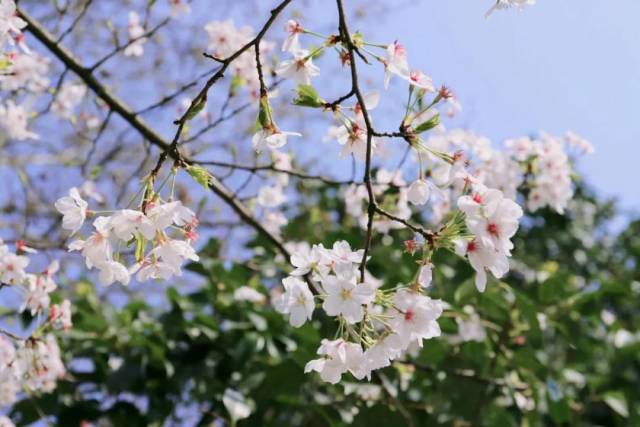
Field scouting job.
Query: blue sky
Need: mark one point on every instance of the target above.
(556, 66)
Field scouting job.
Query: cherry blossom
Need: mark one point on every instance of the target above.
(292, 42)
(271, 196)
(414, 317)
(127, 222)
(12, 267)
(297, 301)
(307, 260)
(419, 79)
(69, 96)
(89, 189)
(419, 192)
(245, 293)
(273, 139)
(338, 357)
(32, 363)
(74, 210)
(175, 252)
(97, 249)
(387, 348)
(395, 62)
(38, 288)
(10, 22)
(353, 137)
(60, 315)
(345, 297)
(26, 72)
(236, 405)
(113, 271)
(179, 7)
(154, 270)
(136, 39)
(301, 68)
(14, 121)
(341, 253)
(425, 275)
(470, 328)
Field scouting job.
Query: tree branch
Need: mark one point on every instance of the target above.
(123, 110)
(355, 88)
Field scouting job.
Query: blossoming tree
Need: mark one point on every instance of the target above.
(384, 252)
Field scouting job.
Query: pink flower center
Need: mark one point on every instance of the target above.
(409, 315)
(300, 64)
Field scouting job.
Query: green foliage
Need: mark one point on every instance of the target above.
(549, 358)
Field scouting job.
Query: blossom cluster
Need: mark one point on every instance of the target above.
(24, 75)
(21, 71)
(34, 363)
(161, 232)
(472, 189)
(376, 326)
(225, 39)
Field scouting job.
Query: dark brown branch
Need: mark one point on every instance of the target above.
(272, 168)
(201, 97)
(355, 88)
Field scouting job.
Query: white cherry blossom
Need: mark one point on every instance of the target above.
(300, 69)
(136, 39)
(273, 139)
(296, 300)
(338, 357)
(419, 192)
(271, 196)
(415, 317)
(246, 293)
(395, 62)
(74, 210)
(127, 222)
(345, 297)
(14, 121)
(113, 271)
(292, 42)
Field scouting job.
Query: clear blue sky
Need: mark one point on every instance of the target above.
(559, 65)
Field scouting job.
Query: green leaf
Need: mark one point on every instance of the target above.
(197, 106)
(307, 96)
(264, 115)
(199, 175)
(428, 125)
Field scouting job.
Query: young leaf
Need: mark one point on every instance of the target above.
(308, 97)
(264, 115)
(429, 124)
(197, 107)
(199, 175)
